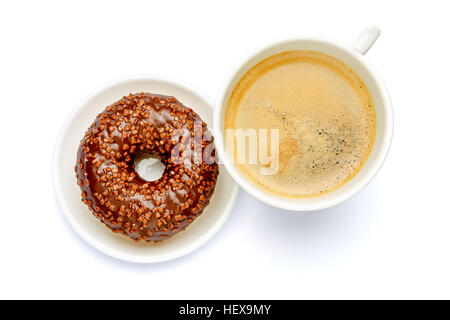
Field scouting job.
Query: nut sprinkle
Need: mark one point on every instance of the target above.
(118, 196)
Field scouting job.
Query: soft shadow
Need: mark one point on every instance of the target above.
(278, 237)
(312, 237)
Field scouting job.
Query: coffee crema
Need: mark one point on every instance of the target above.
(324, 116)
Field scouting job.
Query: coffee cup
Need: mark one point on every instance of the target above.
(351, 55)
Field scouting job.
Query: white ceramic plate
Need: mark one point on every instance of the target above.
(90, 228)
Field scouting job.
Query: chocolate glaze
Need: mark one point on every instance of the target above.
(117, 195)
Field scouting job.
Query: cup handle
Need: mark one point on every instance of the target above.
(366, 39)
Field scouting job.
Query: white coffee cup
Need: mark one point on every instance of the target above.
(353, 56)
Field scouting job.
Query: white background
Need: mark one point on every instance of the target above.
(390, 241)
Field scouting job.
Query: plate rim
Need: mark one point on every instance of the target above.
(85, 235)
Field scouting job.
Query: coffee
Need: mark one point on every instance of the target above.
(321, 114)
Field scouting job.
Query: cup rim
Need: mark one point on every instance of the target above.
(318, 202)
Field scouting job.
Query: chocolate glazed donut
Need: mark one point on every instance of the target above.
(118, 196)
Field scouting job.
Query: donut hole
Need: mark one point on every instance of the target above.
(148, 166)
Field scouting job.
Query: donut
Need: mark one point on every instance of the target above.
(125, 202)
